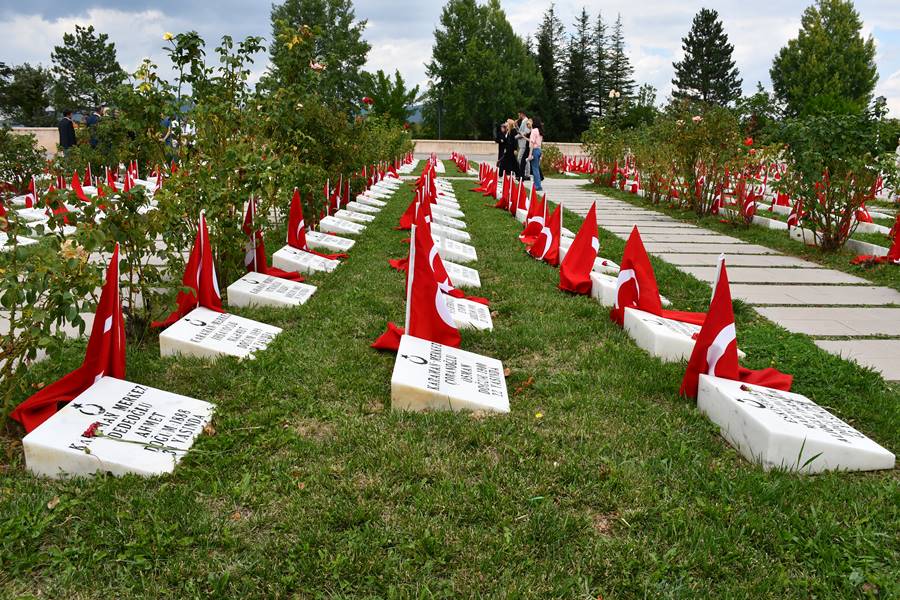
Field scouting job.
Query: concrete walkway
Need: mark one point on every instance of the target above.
(799, 295)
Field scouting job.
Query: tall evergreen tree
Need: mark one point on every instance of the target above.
(707, 72)
(600, 69)
(829, 66)
(85, 68)
(621, 73)
(550, 39)
(24, 98)
(576, 84)
(481, 72)
(339, 46)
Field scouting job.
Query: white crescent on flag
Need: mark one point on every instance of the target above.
(717, 349)
(549, 235)
(624, 276)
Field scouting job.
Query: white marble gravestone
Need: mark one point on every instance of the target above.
(449, 232)
(447, 221)
(32, 214)
(349, 215)
(288, 258)
(601, 265)
(603, 289)
(334, 225)
(438, 209)
(783, 430)
(208, 334)
(144, 431)
(468, 314)
(329, 244)
(453, 250)
(667, 339)
(370, 201)
(461, 275)
(359, 207)
(6, 245)
(256, 289)
(428, 375)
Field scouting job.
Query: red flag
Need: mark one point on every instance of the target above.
(105, 356)
(576, 267)
(715, 351)
(76, 187)
(200, 277)
(255, 259)
(534, 222)
(546, 247)
(111, 181)
(296, 234)
(31, 198)
(793, 219)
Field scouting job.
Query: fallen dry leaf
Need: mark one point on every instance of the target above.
(527, 384)
(53, 503)
(236, 516)
(506, 372)
(208, 429)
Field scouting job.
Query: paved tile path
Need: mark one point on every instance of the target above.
(799, 295)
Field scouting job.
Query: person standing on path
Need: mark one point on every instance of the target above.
(66, 131)
(536, 141)
(92, 120)
(523, 131)
(508, 161)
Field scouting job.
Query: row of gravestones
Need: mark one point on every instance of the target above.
(120, 427)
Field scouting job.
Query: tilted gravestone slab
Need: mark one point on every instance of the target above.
(349, 215)
(468, 314)
(289, 258)
(784, 430)
(143, 430)
(370, 201)
(428, 375)
(453, 250)
(603, 289)
(362, 208)
(437, 209)
(334, 225)
(256, 289)
(667, 339)
(601, 265)
(449, 232)
(330, 244)
(447, 221)
(461, 275)
(208, 334)
(6, 243)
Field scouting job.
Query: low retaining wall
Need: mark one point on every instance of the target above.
(483, 148)
(47, 137)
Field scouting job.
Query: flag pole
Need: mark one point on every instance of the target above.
(409, 272)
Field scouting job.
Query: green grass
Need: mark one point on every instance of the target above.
(313, 487)
(886, 275)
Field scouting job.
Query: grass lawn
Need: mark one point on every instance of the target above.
(312, 487)
(886, 275)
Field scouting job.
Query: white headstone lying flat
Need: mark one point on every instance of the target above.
(447, 221)
(43, 228)
(370, 201)
(460, 275)
(521, 214)
(437, 209)
(362, 208)
(453, 250)
(143, 430)
(32, 214)
(6, 243)
(666, 339)
(288, 258)
(349, 215)
(256, 289)
(379, 194)
(330, 244)
(445, 202)
(601, 265)
(468, 314)
(207, 334)
(567, 233)
(603, 289)
(334, 225)
(428, 375)
(783, 430)
(449, 232)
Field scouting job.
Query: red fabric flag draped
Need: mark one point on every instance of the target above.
(534, 222)
(715, 351)
(200, 277)
(255, 259)
(575, 269)
(105, 356)
(76, 187)
(546, 246)
(296, 233)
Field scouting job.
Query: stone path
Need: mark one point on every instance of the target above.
(799, 295)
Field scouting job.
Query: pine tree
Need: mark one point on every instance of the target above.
(829, 66)
(621, 73)
(600, 69)
(576, 84)
(707, 71)
(86, 69)
(550, 39)
(339, 45)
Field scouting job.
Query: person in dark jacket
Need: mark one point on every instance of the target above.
(508, 162)
(498, 139)
(66, 131)
(92, 120)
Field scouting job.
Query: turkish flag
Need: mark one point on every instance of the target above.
(88, 176)
(534, 222)
(575, 269)
(715, 351)
(636, 286)
(111, 181)
(105, 356)
(546, 246)
(296, 233)
(199, 277)
(76, 187)
(255, 259)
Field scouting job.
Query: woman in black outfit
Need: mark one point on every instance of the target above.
(508, 146)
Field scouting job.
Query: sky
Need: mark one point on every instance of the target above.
(401, 32)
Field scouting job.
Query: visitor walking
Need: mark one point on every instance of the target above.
(536, 141)
(92, 120)
(66, 131)
(524, 130)
(508, 146)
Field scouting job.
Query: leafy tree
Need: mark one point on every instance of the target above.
(337, 44)
(829, 67)
(600, 68)
(85, 68)
(390, 98)
(707, 71)
(480, 71)
(759, 115)
(25, 96)
(621, 73)
(576, 84)
(550, 39)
